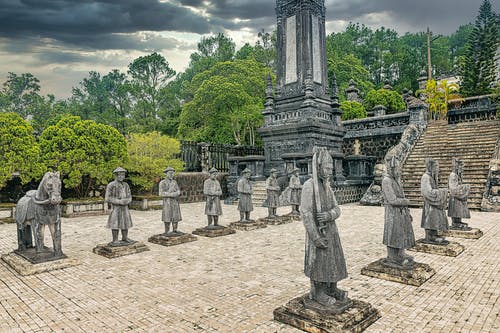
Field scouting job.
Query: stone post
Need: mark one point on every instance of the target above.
(379, 110)
(352, 92)
(204, 156)
(418, 112)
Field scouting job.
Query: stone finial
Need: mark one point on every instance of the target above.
(269, 92)
(335, 88)
(422, 80)
(405, 94)
(379, 110)
(352, 92)
(387, 85)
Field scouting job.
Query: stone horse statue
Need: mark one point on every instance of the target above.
(37, 209)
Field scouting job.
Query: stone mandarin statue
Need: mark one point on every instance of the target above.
(213, 191)
(295, 191)
(245, 205)
(119, 196)
(457, 205)
(273, 192)
(398, 231)
(170, 192)
(435, 199)
(324, 260)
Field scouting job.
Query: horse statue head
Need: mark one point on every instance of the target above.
(49, 189)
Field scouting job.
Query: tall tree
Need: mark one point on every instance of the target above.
(478, 69)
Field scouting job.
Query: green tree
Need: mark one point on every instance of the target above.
(149, 76)
(84, 151)
(391, 99)
(150, 154)
(20, 94)
(438, 94)
(352, 110)
(19, 151)
(478, 69)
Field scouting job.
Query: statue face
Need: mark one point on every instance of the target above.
(246, 175)
(213, 175)
(274, 174)
(326, 169)
(120, 176)
(170, 175)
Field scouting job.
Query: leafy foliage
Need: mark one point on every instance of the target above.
(19, 151)
(150, 154)
(391, 99)
(438, 94)
(352, 110)
(84, 151)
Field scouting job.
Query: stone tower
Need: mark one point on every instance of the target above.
(300, 113)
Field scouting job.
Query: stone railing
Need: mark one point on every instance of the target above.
(373, 126)
(476, 108)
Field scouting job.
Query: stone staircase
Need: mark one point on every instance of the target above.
(473, 142)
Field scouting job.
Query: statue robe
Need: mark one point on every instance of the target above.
(273, 192)
(322, 265)
(435, 199)
(295, 189)
(457, 205)
(213, 191)
(119, 196)
(245, 194)
(398, 231)
(169, 190)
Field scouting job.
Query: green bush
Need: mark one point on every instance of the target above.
(352, 110)
(391, 99)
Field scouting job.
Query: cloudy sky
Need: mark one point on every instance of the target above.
(60, 41)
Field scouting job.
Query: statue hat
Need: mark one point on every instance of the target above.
(119, 169)
(169, 169)
(295, 169)
(273, 170)
(213, 170)
(247, 170)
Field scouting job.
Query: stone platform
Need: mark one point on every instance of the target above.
(474, 233)
(213, 231)
(247, 226)
(172, 239)
(356, 318)
(415, 276)
(110, 252)
(275, 221)
(25, 267)
(452, 249)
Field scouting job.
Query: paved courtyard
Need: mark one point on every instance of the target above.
(233, 283)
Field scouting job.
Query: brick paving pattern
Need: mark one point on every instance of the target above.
(233, 283)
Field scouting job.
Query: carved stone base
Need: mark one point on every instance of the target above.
(172, 239)
(276, 220)
(415, 276)
(356, 318)
(474, 233)
(246, 226)
(214, 231)
(47, 254)
(108, 251)
(293, 216)
(24, 267)
(452, 249)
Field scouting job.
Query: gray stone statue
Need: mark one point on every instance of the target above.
(324, 260)
(34, 211)
(457, 205)
(170, 192)
(119, 196)
(213, 191)
(435, 199)
(295, 191)
(398, 231)
(273, 193)
(245, 205)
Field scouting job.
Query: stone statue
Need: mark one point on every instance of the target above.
(457, 205)
(171, 214)
(435, 199)
(37, 209)
(295, 191)
(398, 231)
(245, 205)
(273, 193)
(324, 260)
(119, 196)
(213, 191)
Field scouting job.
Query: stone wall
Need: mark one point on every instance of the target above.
(372, 146)
(349, 193)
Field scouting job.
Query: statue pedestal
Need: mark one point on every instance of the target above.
(110, 252)
(172, 239)
(275, 221)
(415, 276)
(474, 233)
(25, 267)
(214, 231)
(355, 318)
(452, 249)
(247, 226)
(293, 217)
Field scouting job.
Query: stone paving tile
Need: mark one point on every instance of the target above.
(233, 283)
